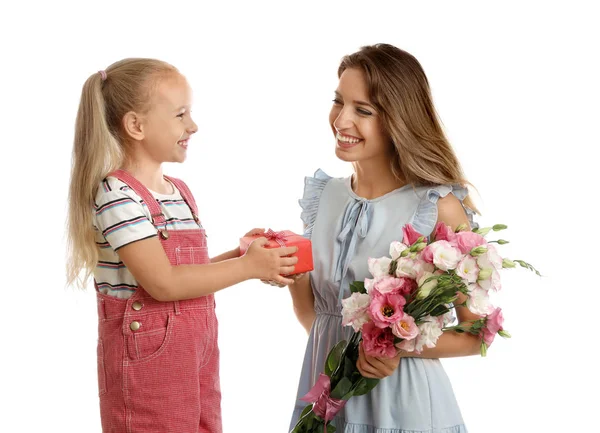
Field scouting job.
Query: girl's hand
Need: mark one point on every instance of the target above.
(270, 263)
(295, 278)
(376, 368)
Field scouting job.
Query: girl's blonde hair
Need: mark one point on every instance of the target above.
(400, 91)
(99, 148)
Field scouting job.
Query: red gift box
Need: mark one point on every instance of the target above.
(285, 238)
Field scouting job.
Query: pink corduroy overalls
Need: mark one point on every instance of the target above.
(158, 362)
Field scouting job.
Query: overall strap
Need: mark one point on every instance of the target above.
(157, 217)
(187, 196)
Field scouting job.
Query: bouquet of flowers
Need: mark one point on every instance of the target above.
(407, 305)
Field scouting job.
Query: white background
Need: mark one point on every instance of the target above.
(515, 83)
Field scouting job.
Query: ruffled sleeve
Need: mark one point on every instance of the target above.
(313, 188)
(426, 214)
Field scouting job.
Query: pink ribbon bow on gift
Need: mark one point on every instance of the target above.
(279, 237)
(324, 406)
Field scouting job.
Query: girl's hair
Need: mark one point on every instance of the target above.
(399, 90)
(99, 147)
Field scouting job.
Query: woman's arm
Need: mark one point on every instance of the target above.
(303, 300)
(451, 343)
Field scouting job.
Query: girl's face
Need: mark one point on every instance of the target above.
(168, 125)
(355, 121)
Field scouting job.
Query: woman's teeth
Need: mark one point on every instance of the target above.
(345, 139)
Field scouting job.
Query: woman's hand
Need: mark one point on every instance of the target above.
(295, 278)
(376, 368)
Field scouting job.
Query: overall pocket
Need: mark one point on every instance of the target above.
(152, 337)
(191, 255)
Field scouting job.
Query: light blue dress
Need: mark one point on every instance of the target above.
(345, 231)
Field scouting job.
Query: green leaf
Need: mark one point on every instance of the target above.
(483, 349)
(333, 359)
(357, 287)
(498, 227)
(306, 410)
(349, 366)
(364, 386)
(342, 388)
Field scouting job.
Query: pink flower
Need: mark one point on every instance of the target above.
(427, 253)
(378, 342)
(466, 241)
(493, 324)
(409, 235)
(405, 328)
(386, 308)
(443, 232)
(401, 286)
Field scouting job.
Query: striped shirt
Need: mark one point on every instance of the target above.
(120, 218)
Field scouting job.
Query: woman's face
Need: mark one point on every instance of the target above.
(355, 122)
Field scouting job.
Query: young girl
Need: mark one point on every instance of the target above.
(405, 171)
(138, 232)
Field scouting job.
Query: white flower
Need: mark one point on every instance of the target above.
(406, 268)
(422, 267)
(396, 249)
(492, 282)
(379, 267)
(354, 310)
(491, 259)
(445, 256)
(467, 269)
(479, 301)
(430, 331)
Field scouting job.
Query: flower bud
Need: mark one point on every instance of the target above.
(478, 251)
(508, 263)
(482, 231)
(461, 228)
(421, 246)
(502, 242)
(504, 333)
(484, 274)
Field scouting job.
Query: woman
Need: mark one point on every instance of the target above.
(405, 171)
